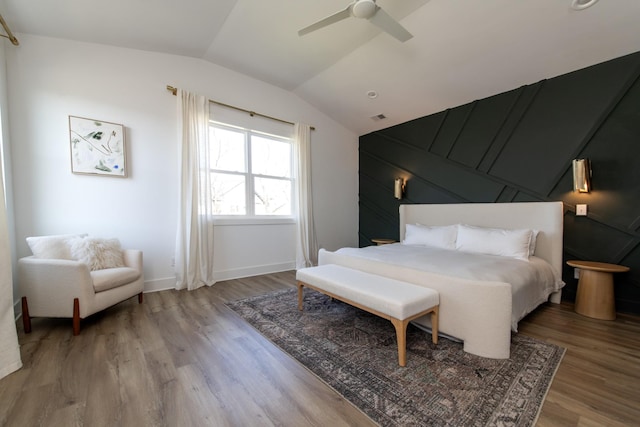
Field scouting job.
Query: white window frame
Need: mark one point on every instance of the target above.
(250, 216)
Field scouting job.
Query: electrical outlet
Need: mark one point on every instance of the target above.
(576, 273)
(581, 210)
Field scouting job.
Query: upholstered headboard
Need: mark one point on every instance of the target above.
(546, 217)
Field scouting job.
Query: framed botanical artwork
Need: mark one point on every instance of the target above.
(97, 147)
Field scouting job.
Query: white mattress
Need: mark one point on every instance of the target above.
(531, 282)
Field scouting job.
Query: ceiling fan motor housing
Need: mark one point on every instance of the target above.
(364, 9)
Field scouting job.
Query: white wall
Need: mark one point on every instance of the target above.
(50, 79)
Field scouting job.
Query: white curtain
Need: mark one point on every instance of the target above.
(194, 245)
(9, 348)
(306, 243)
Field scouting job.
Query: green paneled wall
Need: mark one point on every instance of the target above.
(518, 146)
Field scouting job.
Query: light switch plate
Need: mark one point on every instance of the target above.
(581, 210)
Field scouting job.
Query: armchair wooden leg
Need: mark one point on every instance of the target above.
(26, 320)
(76, 316)
(140, 298)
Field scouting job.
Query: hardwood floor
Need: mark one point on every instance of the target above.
(184, 359)
(598, 381)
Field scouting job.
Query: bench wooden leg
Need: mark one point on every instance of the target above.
(401, 336)
(300, 295)
(26, 319)
(434, 325)
(401, 333)
(76, 316)
(140, 297)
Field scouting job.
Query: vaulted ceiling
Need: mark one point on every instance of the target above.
(462, 50)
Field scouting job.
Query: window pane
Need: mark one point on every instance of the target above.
(270, 157)
(227, 150)
(272, 196)
(228, 194)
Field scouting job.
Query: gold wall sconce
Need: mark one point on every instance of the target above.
(581, 175)
(398, 188)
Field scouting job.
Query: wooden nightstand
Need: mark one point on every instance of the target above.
(595, 297)
(382, 241)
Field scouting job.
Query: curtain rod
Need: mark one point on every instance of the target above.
(9, 35)
(174, 91)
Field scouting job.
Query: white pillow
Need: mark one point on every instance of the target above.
(51, 247)
(443, 237)
(97, 253)
(494, 241)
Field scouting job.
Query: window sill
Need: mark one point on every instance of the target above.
(254, 220)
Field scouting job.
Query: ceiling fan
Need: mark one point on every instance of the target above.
(365, 9)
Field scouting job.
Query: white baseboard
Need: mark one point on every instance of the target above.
(157, 285)
(239, 273)
(164, 284)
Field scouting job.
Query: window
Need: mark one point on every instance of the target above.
(251, 172)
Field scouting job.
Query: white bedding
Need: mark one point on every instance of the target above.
(477, 311)
(531, 282)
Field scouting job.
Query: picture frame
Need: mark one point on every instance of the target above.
(97, 147)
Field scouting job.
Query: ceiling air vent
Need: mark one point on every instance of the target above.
(378, 117)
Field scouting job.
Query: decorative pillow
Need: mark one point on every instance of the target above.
(534, 239)
(97, 253)
(494, 241)
(443, 237)
(52, 247)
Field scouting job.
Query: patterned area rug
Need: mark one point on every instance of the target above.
(356, 354)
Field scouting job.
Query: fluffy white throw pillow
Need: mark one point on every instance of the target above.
(52, 247)
(97, 253)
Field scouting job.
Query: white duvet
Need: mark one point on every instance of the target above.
(531, 282)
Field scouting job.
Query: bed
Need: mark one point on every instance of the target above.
(476, 306)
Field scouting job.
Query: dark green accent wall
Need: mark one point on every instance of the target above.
(518, 146)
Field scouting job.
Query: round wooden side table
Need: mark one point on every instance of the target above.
(595, 297)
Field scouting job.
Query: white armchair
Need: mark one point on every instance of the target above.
(76, 288)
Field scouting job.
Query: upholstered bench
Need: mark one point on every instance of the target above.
(397, 301)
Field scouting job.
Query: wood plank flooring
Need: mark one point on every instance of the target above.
(184, 359)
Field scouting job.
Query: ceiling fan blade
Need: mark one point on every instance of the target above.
(385, 22)
(332, 19)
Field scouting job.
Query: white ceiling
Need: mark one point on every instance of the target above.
(462, 50)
